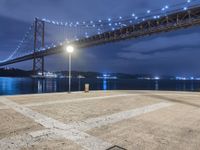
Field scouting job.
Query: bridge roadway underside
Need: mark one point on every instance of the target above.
(99, 120)
(174, 21)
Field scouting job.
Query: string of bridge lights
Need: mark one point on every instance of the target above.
(20, 44)
(115, 23)
(120, 21)
(112, 23)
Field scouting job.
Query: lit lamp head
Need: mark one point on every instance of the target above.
(70, 49)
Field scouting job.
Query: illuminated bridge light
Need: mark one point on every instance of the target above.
(185, 8)
(188, 1)
(133, 15)
(157, 78)
(148, 11)
(109, 19)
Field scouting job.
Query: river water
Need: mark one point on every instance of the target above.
(13, 86)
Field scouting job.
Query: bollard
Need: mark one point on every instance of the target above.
(87, 88)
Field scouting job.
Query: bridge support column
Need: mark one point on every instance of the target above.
(38, 66)
(38, 61)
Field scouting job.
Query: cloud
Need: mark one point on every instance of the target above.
(160, 46)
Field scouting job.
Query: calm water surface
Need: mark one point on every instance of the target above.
(13, 86)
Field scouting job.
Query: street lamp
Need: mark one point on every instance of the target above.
(70, 50)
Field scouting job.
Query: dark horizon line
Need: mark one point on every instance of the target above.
(98, 73)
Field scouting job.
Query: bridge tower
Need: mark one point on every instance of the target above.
(39, 32)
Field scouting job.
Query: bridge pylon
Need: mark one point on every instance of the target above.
(39, 35)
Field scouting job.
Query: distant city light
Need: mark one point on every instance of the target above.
(148, 11)
(156, 78)
(107, 76)
(191, 78)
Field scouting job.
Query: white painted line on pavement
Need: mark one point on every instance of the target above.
(85, 140)
(70, 101)
(109, 119)
(76, 100)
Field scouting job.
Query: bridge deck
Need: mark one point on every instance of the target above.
(99, 120)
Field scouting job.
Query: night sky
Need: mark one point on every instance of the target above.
(173, 53)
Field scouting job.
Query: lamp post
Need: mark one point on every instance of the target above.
(70, 50)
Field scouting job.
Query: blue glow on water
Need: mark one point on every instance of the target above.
(104, 84)
(13, 86)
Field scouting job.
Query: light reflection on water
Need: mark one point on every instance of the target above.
(104, 84)
(10, 86)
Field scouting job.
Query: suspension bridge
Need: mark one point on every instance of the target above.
(46, 37)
